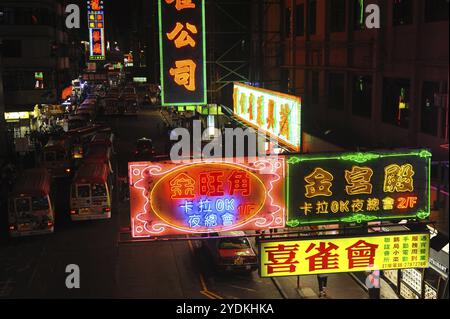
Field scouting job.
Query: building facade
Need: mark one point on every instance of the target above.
(379, 87)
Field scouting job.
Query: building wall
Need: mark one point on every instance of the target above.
(407, 49)
(35, 40)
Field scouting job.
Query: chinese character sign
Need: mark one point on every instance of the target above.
(96, 25)
(358, 187)
(277, 114)
(182, 52)
(203, 197)
(337, 255)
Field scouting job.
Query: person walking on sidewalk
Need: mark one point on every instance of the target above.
(323, 281)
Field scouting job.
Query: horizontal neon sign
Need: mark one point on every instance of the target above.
(338, 255)
(205, 197)
(277, 114)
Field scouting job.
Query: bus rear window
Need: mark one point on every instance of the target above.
(98, 190)
(83, 191)
(50, 156)
(40, 203)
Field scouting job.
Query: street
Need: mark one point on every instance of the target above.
(35, 266)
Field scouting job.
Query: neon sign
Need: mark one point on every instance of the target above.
(96, 25)
(205, 197)
(358, 187)
(182, 52)
(338, 255)
(275, 113)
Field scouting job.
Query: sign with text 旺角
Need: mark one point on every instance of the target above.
(274, 113)
(182, 52)
(330, 255)
(204, 197)
(358, 187)
(96, 26)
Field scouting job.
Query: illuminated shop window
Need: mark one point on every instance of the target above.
(402, 12)
(396, 102)
(362, 96)
(39, 80)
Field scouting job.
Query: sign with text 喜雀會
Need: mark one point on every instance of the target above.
(274, 113)
(182, 52)
(358, 187)
(167, 198)
(337, 255)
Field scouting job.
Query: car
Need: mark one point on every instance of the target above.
(144, 150)
(232, 251)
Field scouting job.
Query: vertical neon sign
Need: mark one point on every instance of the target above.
(96, 25)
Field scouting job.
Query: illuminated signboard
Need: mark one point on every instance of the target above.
(276, 114)
(96, 25)
(358, 187)
(337, 255)
(182, 52)
(205, 197)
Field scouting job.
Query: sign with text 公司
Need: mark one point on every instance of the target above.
(96, 26)
(358, 187)
(337, 255)
(205, 197)
(182, 52)
(274, 113)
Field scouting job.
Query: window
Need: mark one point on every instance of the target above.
(337, 15)
(98, 190)
(50, 156)
(429, 111)
(40, 203)
(7, 16)
(436, 10)
(300, 20)
(362, 96)
(23, 205)
(84, 191)
(287, 22)
(358, 15)
(234, 243)
(12, 48)
(403, 12)
(315, 88)
(312, 11)
(396, 102)
(336, 91)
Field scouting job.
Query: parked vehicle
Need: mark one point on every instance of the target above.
(30, 206)
(232, 251)
(57, 157)
(90, 194)
(144, 150)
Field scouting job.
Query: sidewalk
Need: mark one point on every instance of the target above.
(340, 286)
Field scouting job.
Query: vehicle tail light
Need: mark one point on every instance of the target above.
(68, 170)
(12, 227)
(73, 212)
(50, 224)
(106, 210)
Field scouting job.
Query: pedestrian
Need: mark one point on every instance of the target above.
(323, 281)
(373, 284)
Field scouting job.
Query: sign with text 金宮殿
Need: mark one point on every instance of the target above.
(358, 187)
(182, 52)
(274, 113)
(96, 25)
(337, 255)
(204, 197)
